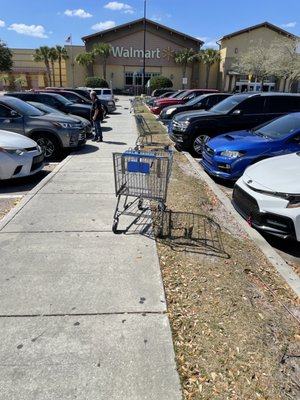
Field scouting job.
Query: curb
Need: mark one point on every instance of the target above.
(287, 273)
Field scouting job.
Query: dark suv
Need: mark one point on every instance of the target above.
(56, 101)
(189, 131)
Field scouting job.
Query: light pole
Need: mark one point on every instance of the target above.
(144, 52)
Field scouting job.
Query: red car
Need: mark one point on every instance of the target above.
(185, 96)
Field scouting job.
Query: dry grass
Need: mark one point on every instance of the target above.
(229, 309)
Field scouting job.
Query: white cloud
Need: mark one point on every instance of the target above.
(2, 24)
(116, 6)
(155, 19)
(29, 30)
(77, 13)
(289, 25)
(211, 45)
(102, 26)
(203, 38)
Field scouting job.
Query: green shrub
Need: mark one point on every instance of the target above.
(158, 82)
(95, 81)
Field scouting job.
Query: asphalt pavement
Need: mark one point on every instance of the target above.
(83, 313)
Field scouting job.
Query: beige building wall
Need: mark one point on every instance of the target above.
(28, 74)
(232, 47)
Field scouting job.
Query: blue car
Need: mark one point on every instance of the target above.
(228, 155)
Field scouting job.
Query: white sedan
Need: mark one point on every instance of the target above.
(268, 196)
(19, 156)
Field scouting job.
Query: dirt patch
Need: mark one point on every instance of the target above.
(235, 322)
(6, 205)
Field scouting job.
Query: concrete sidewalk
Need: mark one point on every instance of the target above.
(83, 311)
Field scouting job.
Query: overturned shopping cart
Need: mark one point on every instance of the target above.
(141, 176)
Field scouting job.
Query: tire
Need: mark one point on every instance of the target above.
(49, 145)
(197, 143)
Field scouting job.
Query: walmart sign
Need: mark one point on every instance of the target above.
(134, 53)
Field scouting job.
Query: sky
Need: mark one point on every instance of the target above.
(35, 23)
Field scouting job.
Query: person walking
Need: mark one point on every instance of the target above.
(96, 116)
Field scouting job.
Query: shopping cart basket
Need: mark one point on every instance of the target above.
(140, 175)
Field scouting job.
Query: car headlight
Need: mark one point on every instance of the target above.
(170, 110)
(111, 103)
(294, 201)
(232, 154)
(65, 124)
(182, 126)
(10, 150)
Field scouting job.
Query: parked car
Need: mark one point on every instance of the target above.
(202, 102)
(52, 132)
(184, 97)
(54, 100)
(82, 96)
(82, 92)
(151, 100)
(159, 92)
(102, 93)
(19, 156)
(87, 126)
(227, 156)
(268, 196)
(190, 130)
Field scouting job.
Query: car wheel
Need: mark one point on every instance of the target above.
(197, 144)
(49, 145)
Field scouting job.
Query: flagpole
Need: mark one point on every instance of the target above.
(72, 62)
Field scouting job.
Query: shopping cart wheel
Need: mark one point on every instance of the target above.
(140, 204)
(115, 226)
(159, 233)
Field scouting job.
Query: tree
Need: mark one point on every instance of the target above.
(209, 57)
(6, 61)
(284, 60)
(20, 81)
(158, 82)
(53, 56)
(61, 55)
(103, 50)
(95, 81)
(85, 59)
(254, 63)
(42, 54)
(184, 57)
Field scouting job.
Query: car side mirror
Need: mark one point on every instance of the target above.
(14, 114)
(236, 113)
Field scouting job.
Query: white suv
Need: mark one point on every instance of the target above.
(102, 93)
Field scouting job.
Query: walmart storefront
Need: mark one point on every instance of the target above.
(124, 67)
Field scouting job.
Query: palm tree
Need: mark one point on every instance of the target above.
(61, 55)
(53, 56)
(208, 57)
(184, 57)
(103, 50)
(42, 54)
(85, 59)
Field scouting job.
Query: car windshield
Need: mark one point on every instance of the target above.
(228, 104)
(24, 108)
(195, 100)
(62, 99)
(44, 107)
(280, 127)
(182, 94)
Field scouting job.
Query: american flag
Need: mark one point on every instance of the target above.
(68, 39)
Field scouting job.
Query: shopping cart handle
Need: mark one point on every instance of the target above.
(139, 155)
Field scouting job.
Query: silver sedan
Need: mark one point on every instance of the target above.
(19, 156)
